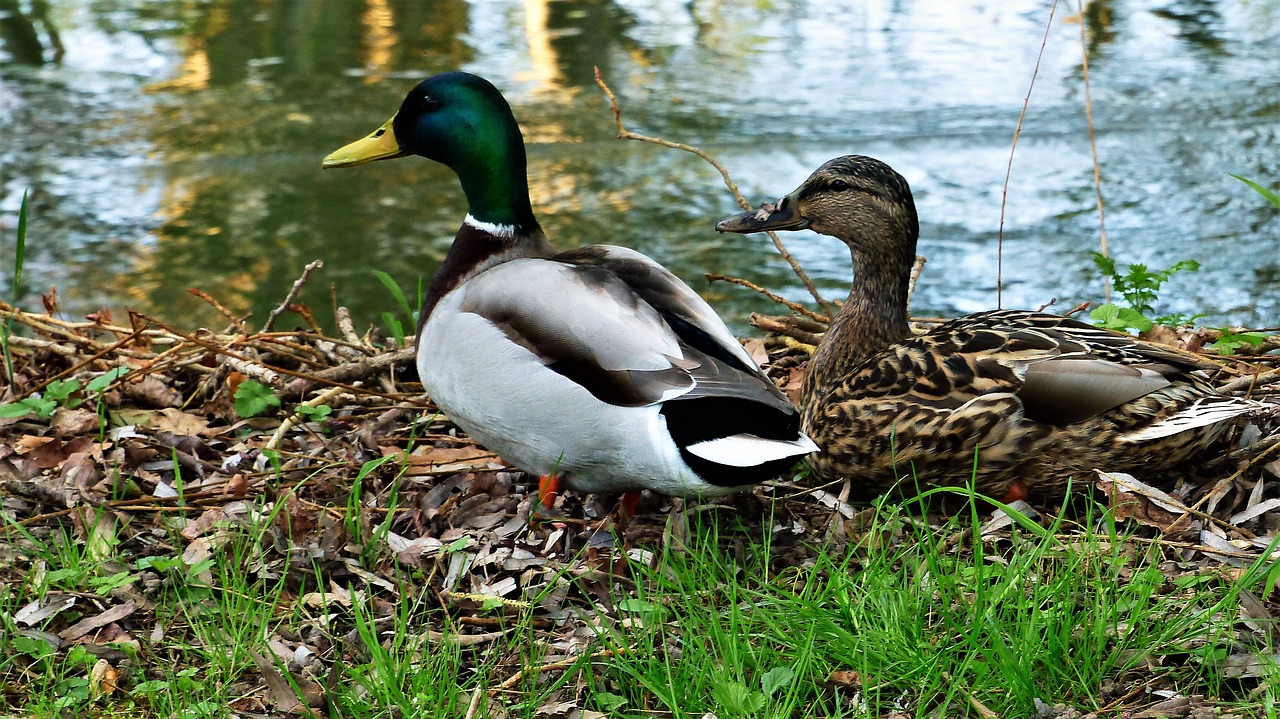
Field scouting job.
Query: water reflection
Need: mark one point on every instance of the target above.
(176, 144)
(21, 33)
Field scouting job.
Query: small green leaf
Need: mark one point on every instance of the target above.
(1177, 319)
(100, 383)
(253, 398)
(159, 563)
(1135, 319)
(71, 692)
(609, 703)
(394, 327)
(34, 648)
(736, 698)
(43, 408)
(1123, 319)
(1229, 342)
(105, 585)
(61, 391)
(319, 413)
(457, 545)
(154, 686)
(13, 410)
(647, 610)
(1106, 265)
(775, 679)
(491, 603)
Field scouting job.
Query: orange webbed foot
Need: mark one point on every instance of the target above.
(1018, 489)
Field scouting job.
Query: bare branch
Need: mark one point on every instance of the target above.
(626, 134)
(293, 294)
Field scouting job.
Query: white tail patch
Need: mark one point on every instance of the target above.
(748, 450)
(1201, 414)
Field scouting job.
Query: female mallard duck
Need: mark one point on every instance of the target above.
(596, 366)
(1014, 401)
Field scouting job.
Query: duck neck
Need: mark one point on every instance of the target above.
(478, 246)
(497, 188)
(874, 316)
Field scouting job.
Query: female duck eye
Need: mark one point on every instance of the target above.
(840, 185)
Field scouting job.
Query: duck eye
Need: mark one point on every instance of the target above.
(840, 185)
(428, 104)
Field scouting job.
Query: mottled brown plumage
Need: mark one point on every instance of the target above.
(1013, 400)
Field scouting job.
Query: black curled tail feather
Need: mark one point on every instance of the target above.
(700, 419)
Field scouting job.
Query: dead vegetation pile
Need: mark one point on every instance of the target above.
(356, 478)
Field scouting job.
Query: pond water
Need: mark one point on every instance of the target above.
(176, 144)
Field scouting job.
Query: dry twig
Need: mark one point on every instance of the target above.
(626, 134)
(1013, 146)
(293, 293)
(793, 306)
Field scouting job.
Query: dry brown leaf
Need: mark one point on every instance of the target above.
(28, 442)
(53, 454)
(755, 348)
(41, 609)
(102, 678)
(282, 694)
(203, 523)
(88, 624)
(237, 486)
(80, 471)
(795, 379)
(431, 460)
(72, 422)
(151, 391)
(1127, 504)
(844, 679)
(556, 709)
(183, 424)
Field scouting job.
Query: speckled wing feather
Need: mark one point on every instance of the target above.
(996, 388)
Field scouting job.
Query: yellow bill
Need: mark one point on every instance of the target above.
(380, 144)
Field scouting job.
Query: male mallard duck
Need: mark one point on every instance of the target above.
(1030, 398)
(594, 366)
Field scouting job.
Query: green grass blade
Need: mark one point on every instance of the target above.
(1269, 195)
(394, 289)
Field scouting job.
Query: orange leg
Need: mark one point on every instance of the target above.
(548, 488)
(1017, 490)
(627, 506)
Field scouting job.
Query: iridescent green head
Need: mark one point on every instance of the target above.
(462, 121)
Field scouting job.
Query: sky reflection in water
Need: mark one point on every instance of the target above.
(170, 145)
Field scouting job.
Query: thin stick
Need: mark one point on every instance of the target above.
(227, 352)
(793, 306)
(474, 705)
(1008, 170)
(236, 321)
(293, 293)
(626, 134)
(278, 436)
(80, 365)
(916, 269)
(768, 324)
(514, 679)
(1093, 146)
(1248, 382)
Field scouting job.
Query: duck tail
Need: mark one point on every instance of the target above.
(1205, 412)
